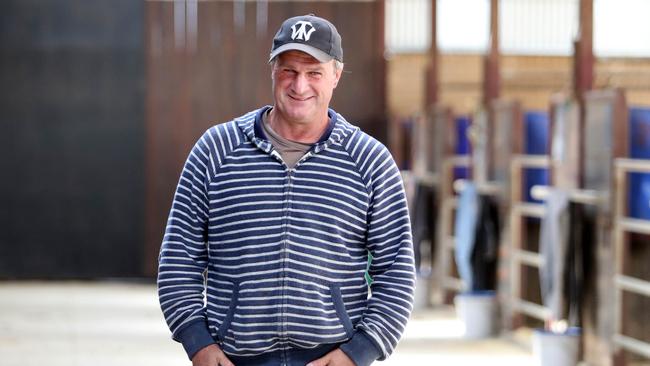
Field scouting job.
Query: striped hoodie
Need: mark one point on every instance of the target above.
(259, 257)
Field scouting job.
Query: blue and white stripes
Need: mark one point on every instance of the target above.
(283, 250)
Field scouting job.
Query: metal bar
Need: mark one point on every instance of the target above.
(450, 242)
(517, 210)
(634, 225)
(458, 160)
(532, 309)
(527, 257)
(515, 235)
(531, 161)
(452, 283)
(618, 241)
(529, 209)
(586, 196)
(633, 345)
(633, 165)
(632, 284)
(453, 202)
(427, 179)
(450, 203)
(492, 188)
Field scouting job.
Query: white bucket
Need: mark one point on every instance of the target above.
(556, 349)
(478, 312)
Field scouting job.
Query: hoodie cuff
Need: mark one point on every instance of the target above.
(194, 338)
(361, 349)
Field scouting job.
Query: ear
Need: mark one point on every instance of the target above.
(337, 76)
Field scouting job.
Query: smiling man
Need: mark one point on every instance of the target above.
(274, 217)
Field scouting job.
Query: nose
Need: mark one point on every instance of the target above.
(300, 84)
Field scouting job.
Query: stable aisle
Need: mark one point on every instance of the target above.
(114, 324)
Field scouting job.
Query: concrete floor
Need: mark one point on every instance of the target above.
(102, 324)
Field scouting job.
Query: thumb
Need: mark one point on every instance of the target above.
(323, 361)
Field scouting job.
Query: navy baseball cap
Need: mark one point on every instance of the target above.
(310, 34)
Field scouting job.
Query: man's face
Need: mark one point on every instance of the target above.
(303, 87)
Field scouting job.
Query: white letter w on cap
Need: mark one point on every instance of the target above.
(303, 32)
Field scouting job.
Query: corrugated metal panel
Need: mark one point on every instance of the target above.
(621, 28)
(408, 26)
(538, 27)
(71, 104)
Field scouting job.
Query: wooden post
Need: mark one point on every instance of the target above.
(584, 58)
(583, 67)
(606, 110)
(491, 82)
(432, 70)
(380, 49)
(491, 86)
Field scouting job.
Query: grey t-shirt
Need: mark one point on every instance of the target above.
(290, 151)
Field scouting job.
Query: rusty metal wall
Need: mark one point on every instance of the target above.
(207, 63)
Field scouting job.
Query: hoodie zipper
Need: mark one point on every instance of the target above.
(284, 255)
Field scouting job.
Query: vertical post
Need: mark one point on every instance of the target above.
(446, 191)
(620, 146)
(583, 69)
(379, 59)
(516, 319)
(380, 47)
(432, 70)
(619, 261)
(491, 86)
(491, 68)
(584, 58)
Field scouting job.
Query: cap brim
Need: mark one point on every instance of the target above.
(312, 51)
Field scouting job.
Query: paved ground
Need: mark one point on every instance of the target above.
(102, 324)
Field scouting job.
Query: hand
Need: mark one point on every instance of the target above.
(334, 358)
(211, 355)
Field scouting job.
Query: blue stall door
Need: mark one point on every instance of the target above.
(536, 125)
(639, 192)
(463, 146)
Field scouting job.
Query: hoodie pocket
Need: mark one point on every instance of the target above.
(337, 299)
(223, 328)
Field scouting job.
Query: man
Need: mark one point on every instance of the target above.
(273, 220)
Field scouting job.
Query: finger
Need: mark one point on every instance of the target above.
(323, 361)
(224, 361)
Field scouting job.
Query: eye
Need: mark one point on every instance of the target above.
(315, 74)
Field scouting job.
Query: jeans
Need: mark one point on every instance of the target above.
(290, 357)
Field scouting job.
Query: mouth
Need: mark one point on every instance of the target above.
(299, 99)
